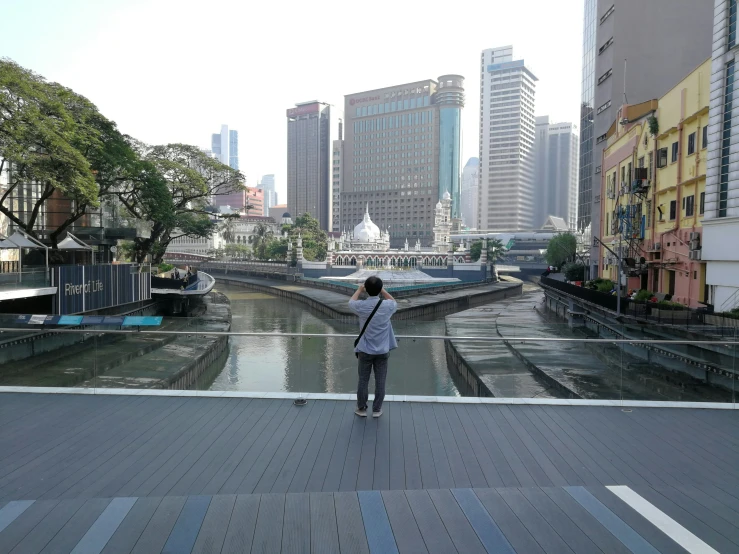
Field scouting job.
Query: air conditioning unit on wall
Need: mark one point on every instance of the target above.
(695, 255)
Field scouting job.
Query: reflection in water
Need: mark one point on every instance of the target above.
(302, 364)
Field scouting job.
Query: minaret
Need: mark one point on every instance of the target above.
(300, 248)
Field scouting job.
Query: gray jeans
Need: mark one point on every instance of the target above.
(368, 362)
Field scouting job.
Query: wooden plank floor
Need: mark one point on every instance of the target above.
(89, 473)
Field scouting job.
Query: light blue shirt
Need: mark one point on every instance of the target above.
(379, 337)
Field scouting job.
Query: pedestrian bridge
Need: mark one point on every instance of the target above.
(189, 471)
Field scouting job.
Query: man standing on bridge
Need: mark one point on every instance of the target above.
(375, 341)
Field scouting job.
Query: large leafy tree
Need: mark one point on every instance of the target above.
(561, 248)
(58, 141)
(52, 137)
(315, 239)
(260, 241)
(191, 179)
(496, 249)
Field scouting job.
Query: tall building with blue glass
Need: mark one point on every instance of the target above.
(450, 100)
(401, 153)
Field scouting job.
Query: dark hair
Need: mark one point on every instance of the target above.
(373, 285)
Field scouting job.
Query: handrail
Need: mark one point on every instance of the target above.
(353, 335)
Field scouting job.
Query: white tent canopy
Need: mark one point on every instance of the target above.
(20, 240)
(73, 243)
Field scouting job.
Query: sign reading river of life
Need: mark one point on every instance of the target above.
(90, 286)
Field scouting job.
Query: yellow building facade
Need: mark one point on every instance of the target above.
(653, 181)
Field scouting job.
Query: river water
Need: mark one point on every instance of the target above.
(328, 364)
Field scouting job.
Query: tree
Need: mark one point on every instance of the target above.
(240, 251)
(191, 179)
(561, 248)
(277, 249)
(315, 239)
(228, 228)
(57, 140)
(496, 249)
(260, 240)
(574, 272)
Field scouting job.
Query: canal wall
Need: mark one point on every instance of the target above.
(335, 305)
(28, 342)
(687, 366)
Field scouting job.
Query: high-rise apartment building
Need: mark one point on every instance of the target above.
(507, 127)
(470, 180)
(400, 155)
(721, 219)
(555, 154)
(648, 39)
(308, 161)
(267, 184)
(225, 146)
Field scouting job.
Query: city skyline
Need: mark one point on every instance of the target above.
(151, 104)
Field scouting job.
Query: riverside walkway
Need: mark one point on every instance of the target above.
(178, 471)
(335, 304)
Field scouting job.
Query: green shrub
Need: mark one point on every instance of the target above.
(643, 295)
(574, 272)
(165, 268)
(605, 285)
(670, 306)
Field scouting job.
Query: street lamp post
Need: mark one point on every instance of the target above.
(596, 242)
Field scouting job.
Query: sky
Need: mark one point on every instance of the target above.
(175, 70)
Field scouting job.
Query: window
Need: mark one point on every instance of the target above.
(689, 205)
(640, 162)
(691, 144)
(613, 8)
(673, 209)
(649, 214)
(723, 189)
(705, 137)
(604, 107)
(662, 157)
(629, 173)
(623, 174)
(732, 23)
(605, 46)
(702, 205)
(605, 76)
(674, 152)
(601, 138)
(649, 168)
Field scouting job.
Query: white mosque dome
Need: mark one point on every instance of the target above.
(447, 196)
(438, 205)
(367, 231)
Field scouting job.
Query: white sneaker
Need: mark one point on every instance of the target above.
(361, 413)
(377, 414)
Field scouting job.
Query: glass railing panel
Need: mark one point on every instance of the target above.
(314, 355)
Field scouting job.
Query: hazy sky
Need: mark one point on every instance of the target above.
(174, 70)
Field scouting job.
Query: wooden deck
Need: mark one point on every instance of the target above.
(84, 473)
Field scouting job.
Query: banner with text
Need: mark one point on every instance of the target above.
(82, 288)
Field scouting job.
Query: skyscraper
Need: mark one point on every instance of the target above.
(338, 151)
(507, 127)
(400, 155)
(555, 155)
(618, 30)
(308, 161)
(470, 180)
(225, 147)
(270, 194)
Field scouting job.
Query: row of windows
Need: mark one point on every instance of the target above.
(394, 106)
(394, 121)
(662, 152)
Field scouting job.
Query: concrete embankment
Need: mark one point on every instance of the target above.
(182, 363)
(335, 305)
